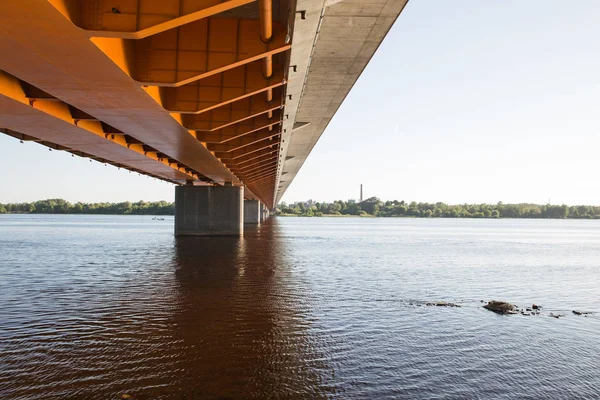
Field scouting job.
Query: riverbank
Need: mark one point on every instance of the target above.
(422, 217)
(369, 208)
(325, 215)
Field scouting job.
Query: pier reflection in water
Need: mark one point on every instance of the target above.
(154, 316)
(243, 320)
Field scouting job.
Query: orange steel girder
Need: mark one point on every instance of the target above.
(230, 137)
(232, 113)
(259, 173)
(192, 52)
(263, 181)
(257, 168)
(141, 18)
(249, 167)
(237, 131)
(253, 148)
(220, 78)
(253, 157)
(244, 141)
(54, 121)
(244, 167)
(260, 177)
(217, 90)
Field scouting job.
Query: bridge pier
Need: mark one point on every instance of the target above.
(209, 210)
(264, 212)
(252, 212)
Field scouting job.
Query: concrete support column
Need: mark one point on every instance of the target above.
(209, 210)
(264, 212)
(252, 212)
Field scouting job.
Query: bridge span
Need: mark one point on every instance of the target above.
(224, 98)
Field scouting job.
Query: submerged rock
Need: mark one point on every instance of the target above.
(443, 304)
(500, 307)
(581, 312)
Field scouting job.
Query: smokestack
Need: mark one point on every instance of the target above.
(361, 196)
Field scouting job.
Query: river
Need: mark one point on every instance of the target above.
(101, 306)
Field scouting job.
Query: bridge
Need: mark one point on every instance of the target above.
(223, 98)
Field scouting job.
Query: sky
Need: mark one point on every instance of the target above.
(465, 101)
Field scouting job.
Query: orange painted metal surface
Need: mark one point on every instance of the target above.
(259, 161)
(137, 19)
(51, 121)
(244, 141)
(192, 52)
(217, 90)
(257, 167)
(164, 87)
(232, 113)
(251, 157)
(238, 130)
(262, 145)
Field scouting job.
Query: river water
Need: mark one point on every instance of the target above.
(101, 306)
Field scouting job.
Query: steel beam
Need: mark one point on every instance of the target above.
(259, 172)
(233, 113)
(244, 141)
(253, 148)
(141, 18)
(49, 52)
(261, 160)
(256, 167)
(216, 90)
(252, 157)
(192, 52)
(50, 122)
(238, 130)
(264, 178)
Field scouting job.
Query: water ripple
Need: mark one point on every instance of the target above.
(95, 307)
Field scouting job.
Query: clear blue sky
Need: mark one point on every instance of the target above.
(465, 101)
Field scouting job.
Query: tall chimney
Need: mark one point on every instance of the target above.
(361, 196)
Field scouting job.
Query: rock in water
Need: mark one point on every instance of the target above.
(500, 307)
(535, 307)
(581, 312)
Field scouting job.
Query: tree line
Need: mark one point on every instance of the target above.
(60, 206)
(375, 207)
(370, 207)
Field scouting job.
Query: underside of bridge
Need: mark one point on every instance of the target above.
(197, 92)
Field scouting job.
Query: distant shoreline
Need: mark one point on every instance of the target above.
(369, 208)
(376, 207)
(53, 213)
(304, 216)
(596, 218)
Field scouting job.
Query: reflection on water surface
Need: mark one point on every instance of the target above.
(303, 308)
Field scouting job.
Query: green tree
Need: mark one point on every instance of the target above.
(371, 205)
